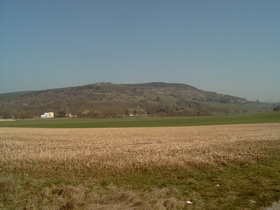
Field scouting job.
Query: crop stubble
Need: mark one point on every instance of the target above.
(120, 149)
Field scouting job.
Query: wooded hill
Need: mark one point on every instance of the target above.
(118, 100)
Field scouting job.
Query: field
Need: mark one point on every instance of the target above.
(197, 167)
(266, 117)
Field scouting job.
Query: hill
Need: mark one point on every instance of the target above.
(116, 100)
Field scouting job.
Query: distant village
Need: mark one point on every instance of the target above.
(48, 115)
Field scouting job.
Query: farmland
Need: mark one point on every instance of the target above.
(266, 117)
(210, 167)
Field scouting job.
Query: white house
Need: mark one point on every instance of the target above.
(47, 115)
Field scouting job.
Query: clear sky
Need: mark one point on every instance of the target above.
(225, 46)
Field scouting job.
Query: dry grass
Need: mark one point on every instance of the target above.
(65, 197)
(120, 149)
(117, 150)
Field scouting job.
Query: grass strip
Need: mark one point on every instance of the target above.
(267, 117)
(237, 185)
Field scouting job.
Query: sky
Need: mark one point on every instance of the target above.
(223, 46)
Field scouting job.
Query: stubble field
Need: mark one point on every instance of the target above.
(96, 164)
(122, 149)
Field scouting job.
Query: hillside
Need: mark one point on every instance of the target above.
(115, 100)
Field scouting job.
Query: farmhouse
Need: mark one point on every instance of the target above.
(47, 115)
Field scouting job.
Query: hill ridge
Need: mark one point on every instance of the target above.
(115, 100)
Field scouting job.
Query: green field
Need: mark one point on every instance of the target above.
(266, 117)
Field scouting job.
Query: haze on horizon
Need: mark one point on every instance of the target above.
(229, 47)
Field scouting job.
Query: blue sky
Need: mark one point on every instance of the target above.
(230, 47)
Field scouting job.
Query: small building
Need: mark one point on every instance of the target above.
(277, 108)
(47, 115)
(70, 115)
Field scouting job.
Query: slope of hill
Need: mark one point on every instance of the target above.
(115, 100)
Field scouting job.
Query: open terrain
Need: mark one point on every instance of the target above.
(201, 167)
(266, 117)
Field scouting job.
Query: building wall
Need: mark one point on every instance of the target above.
(47, 115)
